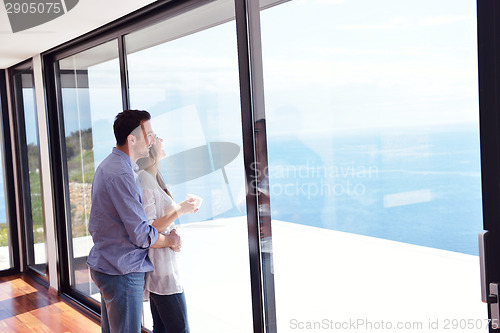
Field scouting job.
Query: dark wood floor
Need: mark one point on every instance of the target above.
(26, 306)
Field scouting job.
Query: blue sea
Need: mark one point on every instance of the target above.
(415, 185)
(420, 185)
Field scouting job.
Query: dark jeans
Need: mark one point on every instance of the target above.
(121, 301)
(169, 313)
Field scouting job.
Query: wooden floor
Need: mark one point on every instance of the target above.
(26, 306)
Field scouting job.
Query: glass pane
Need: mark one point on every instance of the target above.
(91, 98)
(5, 249)
(33, 205)
(184, 71)
(373, 148)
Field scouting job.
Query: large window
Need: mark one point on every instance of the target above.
(5, 253)
(365, 157)
(6, 258)
(190, 85)
(27, 126)
(91, 98)
(373, 149)
(184, 71)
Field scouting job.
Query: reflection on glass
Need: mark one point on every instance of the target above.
(91, 98)
(33, 206)
(190, 86)
(372, 133)
(266, 240)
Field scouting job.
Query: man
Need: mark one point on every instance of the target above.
(119, 227)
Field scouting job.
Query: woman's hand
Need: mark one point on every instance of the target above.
(188, 206)
(176, 240)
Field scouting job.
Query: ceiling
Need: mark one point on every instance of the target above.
(86, 16)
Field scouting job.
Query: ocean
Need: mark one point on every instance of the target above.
(420, 185)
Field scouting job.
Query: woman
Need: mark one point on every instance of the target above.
(163, 286)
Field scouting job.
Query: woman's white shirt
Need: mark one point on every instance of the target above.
(164, 279)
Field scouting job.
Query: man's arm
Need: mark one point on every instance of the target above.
(125, 197)
(172, 241)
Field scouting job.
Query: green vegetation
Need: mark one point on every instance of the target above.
(36, 207)
(36, 212)
(77, 142)
(80, 156)
(4, 234)
(33, 158)
(76, 166)
(80, 159)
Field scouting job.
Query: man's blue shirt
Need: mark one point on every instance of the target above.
(118, 222)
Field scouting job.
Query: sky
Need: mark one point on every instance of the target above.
(329, 65)
(368, 64)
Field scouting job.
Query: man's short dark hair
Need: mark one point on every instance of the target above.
(126, 122)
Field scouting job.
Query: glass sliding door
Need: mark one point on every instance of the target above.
(7, 243)
(373, 150)
(27, 126)
(184, 71)
(90, 99)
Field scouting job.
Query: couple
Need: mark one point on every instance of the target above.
(135, 242)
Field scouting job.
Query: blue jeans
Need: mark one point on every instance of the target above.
(169, 313)
(121, 301)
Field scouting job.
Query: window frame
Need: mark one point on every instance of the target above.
(8, 178)
(23, 182)
(488, 28)
(144, 17)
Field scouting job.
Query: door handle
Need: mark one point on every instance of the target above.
(494, 308)
(482, 264)
(492, 298)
